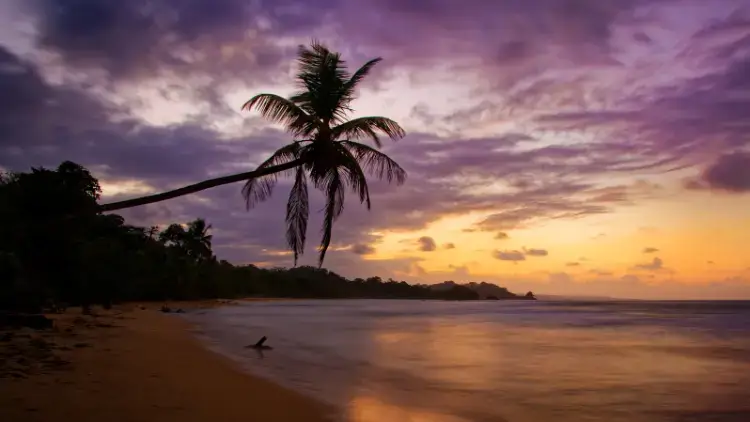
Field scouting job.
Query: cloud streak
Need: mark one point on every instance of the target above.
(655, 265)
(362, 249)
(513, 256)
(535, 252)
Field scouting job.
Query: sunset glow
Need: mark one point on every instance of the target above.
(564, 147)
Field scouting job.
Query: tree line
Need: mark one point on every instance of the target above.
(57, 247)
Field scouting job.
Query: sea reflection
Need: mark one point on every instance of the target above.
(479, 370)
(368, 408)
(390, 361)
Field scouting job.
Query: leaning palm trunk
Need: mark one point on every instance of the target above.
(197, 187)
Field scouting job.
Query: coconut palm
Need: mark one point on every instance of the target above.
(332, 159)
(198, 240)
(194, 241)
(325, 150)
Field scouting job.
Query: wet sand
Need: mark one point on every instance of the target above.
(131, 364)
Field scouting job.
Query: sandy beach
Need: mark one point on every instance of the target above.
(131, 364)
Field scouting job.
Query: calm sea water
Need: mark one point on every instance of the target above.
(394, 361)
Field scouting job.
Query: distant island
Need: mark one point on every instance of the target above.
(483, 290)
(581, 298)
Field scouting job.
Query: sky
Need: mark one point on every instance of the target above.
(567, 147)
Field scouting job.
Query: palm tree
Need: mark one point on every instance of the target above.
(325, 150)
(193, 241)
(198, 240)
(331, 158)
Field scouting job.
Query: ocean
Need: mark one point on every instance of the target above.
(515, 361)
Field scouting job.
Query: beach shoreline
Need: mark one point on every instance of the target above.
(135, 363)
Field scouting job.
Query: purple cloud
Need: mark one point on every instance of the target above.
(43, 124)
(362, 249)
(426, 244)
(655, 265)
(504, 34)
(513, 256)
(671, 124)
(138, 38)
(133, 38)
(535, 252)
(501, 236)
(729, 173)
(650, 250)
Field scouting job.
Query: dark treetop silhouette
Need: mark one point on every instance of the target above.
(324, 150)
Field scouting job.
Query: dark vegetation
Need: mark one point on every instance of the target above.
(483, 290)
(58, 248)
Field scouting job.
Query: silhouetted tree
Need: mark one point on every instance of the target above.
(330, 157)
(45, 213)
(198, 240)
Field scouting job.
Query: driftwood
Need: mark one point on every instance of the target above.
(259, 345)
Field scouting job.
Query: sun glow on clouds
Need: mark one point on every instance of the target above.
(168, 102)
(611, 241)
(125, 188)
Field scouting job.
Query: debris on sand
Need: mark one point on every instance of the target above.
(259, 345)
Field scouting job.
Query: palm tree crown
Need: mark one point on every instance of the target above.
(325, 143)
(194, 240)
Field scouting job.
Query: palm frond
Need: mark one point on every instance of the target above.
(333, 209)
(350, 86)
(376, 163)
(362, 72)
(284, 111)
(317, 63)
(197, 226)
(348, 91)
(368, 127)
(311, 59)
(297, 213)
(259, 189)
(321, 77)
(356, 177)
